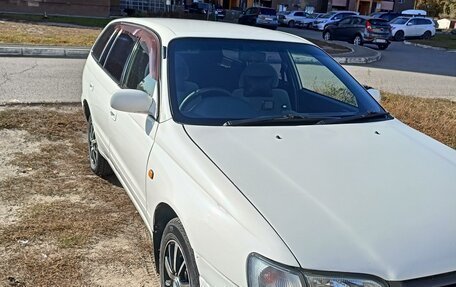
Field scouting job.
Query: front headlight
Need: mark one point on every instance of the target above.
(263, 272)
(340, 281)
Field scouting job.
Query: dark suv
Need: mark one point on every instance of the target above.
(259, 16)
(360, 30)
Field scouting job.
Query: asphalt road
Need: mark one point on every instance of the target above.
(401, 57)
(59, 80)
(40, 79)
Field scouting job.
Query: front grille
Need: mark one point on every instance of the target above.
(441, 280)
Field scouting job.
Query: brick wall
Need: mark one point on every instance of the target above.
(90, 8)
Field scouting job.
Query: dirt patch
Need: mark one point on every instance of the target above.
(59, 224)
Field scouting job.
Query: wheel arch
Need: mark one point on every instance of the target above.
(86, 109)
(162, 215)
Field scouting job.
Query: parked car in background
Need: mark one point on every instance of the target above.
(290, 19)
(388, 16)
(259, 16)
(307, 22)
(220, 12)
(321, 22)
(360, 30)
(403, 27)
(199, 8)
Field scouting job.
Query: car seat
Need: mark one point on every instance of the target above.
(258, 86)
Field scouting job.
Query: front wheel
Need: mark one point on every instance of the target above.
(291, 24)
(382, 46)
(399, 36)
(177, 261)
(98, 163)
(327, 36)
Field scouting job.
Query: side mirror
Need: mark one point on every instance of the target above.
(409, 24)
(132, 101)
(375, 94)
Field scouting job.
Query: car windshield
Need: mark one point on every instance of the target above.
(312, 15)
(327, 15)
(215, 81)
(399, 21)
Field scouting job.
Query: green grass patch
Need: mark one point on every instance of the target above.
(441, 40)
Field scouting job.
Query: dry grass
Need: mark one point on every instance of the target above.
(43, 34)
(64, 212)
(434, 117)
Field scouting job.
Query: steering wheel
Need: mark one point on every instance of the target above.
(205, 92)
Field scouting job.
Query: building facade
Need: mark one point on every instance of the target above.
(88, 8)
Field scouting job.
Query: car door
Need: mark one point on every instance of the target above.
(244, 19)
(412, 29)
(134, 133)
(299, 16)
(342, 29)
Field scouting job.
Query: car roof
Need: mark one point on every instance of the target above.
(169, 29)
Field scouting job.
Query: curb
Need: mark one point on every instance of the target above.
(428, 47)
(82, 53)
(359, 60)
(58, 52)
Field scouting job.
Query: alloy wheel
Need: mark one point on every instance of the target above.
(176, 274)
(93, 148)
(357, 41)
(327, 36)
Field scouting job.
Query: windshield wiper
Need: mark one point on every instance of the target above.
(294, 118)
(357, 118)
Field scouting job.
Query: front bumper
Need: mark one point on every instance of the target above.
(319, 26)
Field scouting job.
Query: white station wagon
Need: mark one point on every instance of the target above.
(256, 160)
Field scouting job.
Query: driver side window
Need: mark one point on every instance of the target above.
(345, 21)
(143, 69)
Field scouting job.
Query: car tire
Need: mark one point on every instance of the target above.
(98, 163)
(427, 35)
(291, 24)
(358, 40)
(399, 36)
(183, 269)
(327, 36)
(382, 46)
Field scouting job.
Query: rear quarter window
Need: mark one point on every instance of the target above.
(102, 41)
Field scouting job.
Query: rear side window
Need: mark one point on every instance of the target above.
(424, 22)
(265, 11)
(119, 54)
(102, 41)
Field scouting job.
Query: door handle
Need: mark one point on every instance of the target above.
(91, 86)
(113, 115)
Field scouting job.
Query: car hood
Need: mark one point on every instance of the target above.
(376, 198)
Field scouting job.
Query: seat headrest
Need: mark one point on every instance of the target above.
(259, 71)
(181, 68)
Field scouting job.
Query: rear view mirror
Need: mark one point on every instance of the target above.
(133, 101)
(375, 94)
